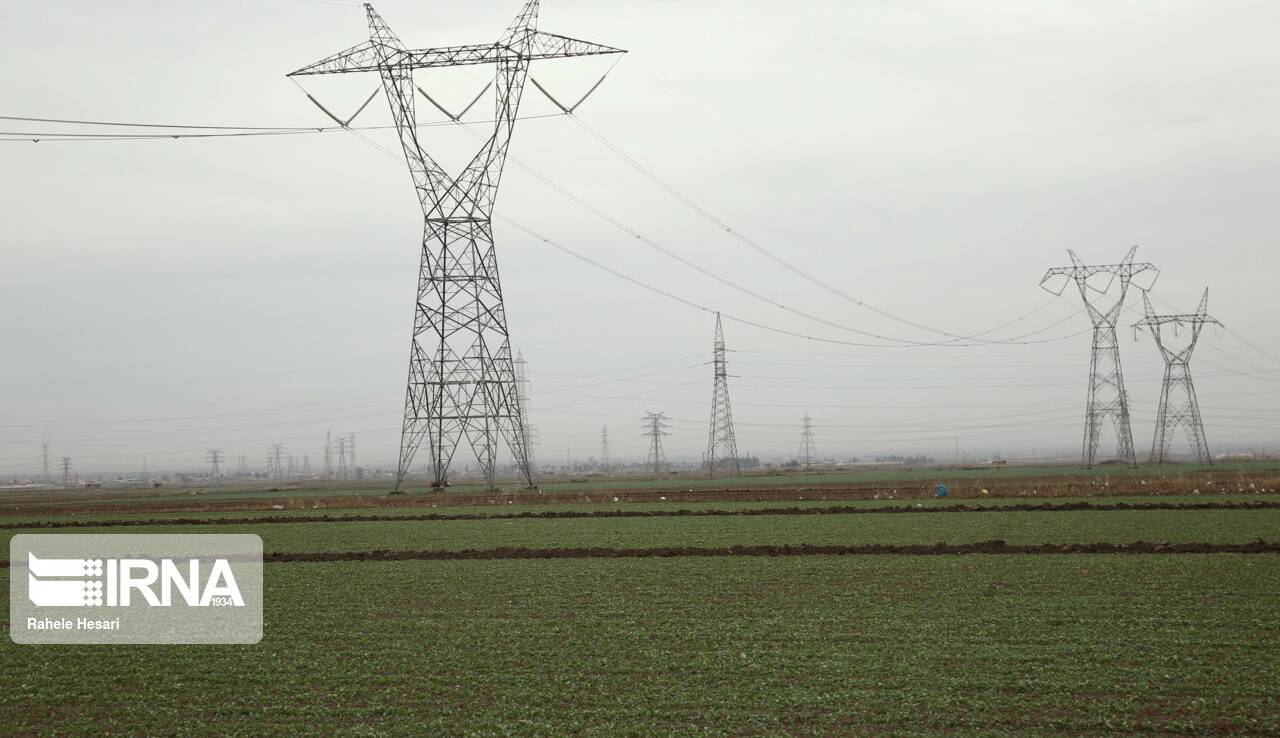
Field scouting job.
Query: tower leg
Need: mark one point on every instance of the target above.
(459, 386)
(1107, 398)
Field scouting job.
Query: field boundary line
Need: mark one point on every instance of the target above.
(996, 547)
(684, 512)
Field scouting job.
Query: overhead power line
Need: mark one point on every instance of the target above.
(744, 321)
(220, 131)
(789, 266)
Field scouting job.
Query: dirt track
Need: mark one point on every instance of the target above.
(559, 514)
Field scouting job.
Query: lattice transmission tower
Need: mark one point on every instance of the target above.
(328, 454)
(722, 446)
(530, 432)
(806, 441)
(604, 450)
(275, 461)
(461, 380)
(1106, 398)
(655, 427)
(1178, 404)
(214, 456)
(343, 471)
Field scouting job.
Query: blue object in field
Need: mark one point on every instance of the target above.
(942, 490)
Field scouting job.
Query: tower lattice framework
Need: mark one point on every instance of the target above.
(530, 432)
(722, 446)
(655, 427)
(806, 441)
(462, 383)
(1179, 407)
(1106, 398)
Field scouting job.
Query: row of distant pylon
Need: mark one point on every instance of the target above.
(722, 445)
(1107, 399)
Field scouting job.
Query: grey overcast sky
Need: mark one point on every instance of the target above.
(932, 158)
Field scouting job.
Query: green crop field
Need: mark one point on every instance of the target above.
(902, 645)
(974, 645)
(1169, 526)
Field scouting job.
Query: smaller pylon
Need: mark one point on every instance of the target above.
(806, 442)
(528, 431)
(275, 461)
(722, 446)
(1178, 403)
(655, 427)
(604, 450)
(214, 455)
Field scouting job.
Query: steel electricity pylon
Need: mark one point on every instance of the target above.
(655, 427)
(461, 380)
(806, 442)
(1178, 404)
(526, 409)
(275, 461)
(722, 446)
(1107, 398)
(604, 450)
(214, 455)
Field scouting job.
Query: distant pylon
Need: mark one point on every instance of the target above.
(275, 461)
(655, 427)
(1178, 404)
(1107, 398)
(328, 455)
(604, 449)
(722, 447)
(806, 442)
(214, 455)
(342, 457)
(243, 470)
(66, 471)
(526, 408)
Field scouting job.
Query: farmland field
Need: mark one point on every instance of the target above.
(1156, 644)
(973, 645)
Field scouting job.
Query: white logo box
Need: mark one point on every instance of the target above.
(126, 588)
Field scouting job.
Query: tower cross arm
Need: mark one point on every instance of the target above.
(1126, 269)
(1188, 318)
(542, 45)
(368, 57)
(362, 57)
(552, 45)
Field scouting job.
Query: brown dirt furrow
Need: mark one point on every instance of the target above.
(931, 549)
(563, 514)
(935, 549)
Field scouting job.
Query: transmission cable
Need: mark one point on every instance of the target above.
(895, 341)
(756, 246)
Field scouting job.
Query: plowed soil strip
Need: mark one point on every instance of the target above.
(935, 549)
(932, 549)
(567, 514)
